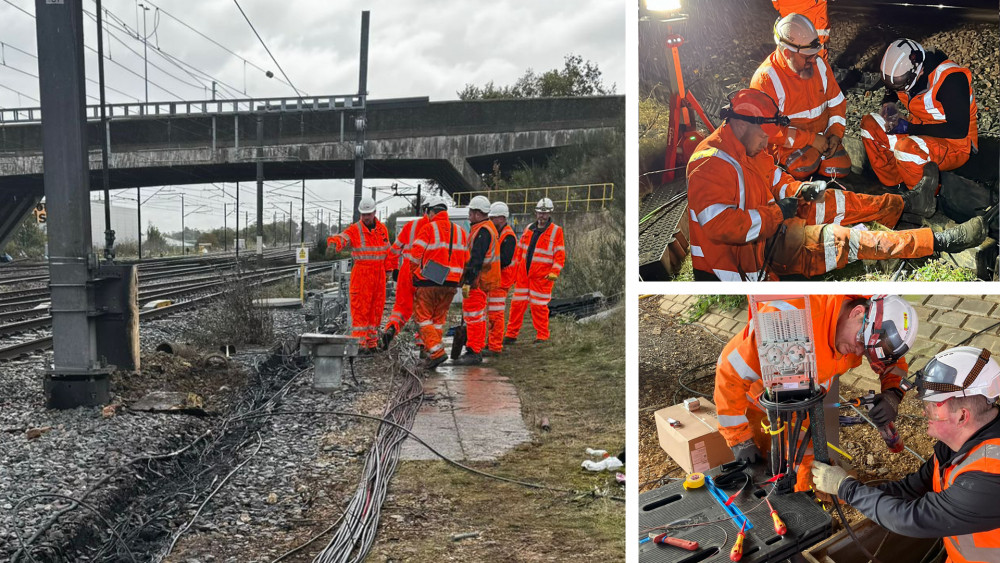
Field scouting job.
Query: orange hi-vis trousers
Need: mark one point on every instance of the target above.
(495, 309)
(402, 308)
(474, 314)
(430, 307)
(901, 158)
(537, 292)
(367, 294)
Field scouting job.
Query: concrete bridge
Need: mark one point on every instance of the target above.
(178, 143)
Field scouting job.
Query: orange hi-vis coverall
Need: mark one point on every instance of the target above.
(738, 383)
(901, 158)
(815, 106)
(497, 303)
(482, 274)
(367, 290)
(402, 309)
(540, 252)
(813, 250)
(984, 457)
(732, 210)
(445, 243)
(813, 10)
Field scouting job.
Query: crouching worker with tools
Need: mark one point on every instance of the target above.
(954, 495)
(767, 389)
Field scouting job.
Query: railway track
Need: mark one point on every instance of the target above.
(35, 344)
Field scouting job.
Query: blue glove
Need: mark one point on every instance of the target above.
(901, 127)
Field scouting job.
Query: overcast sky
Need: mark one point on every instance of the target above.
(416, 48)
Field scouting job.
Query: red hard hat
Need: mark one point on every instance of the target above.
(748, 104)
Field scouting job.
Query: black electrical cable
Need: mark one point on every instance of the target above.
(111, 528)
(266, 49)
(850, 531)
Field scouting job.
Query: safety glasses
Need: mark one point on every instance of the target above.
(932, 410)
(813, 46)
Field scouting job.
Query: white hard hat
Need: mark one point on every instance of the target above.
(797, 33)
(545, 205)
(499, 209)
(480, 203)
(889, 328)
(367, 205)
(959, 372)
(902, 64)
(433, 201)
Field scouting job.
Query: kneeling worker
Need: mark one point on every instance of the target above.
(845, 329)
(953, 495)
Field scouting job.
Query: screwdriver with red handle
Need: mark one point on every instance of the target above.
(677, 542)
(737, 552)
(779, 526)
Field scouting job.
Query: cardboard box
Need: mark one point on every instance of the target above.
(696, 445)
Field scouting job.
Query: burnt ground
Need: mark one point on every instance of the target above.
(672, 353)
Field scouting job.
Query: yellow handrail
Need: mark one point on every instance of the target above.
(566, 199)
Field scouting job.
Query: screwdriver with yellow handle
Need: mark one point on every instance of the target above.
(779, 526)
(737, 552)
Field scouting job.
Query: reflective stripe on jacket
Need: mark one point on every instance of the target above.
(924, 108)
(433, 242)
(981, 546)
(368, 246)
(814, 105)
(814, 10)
(549, 254)
(402, 244)
(732, 211)
(489, 275)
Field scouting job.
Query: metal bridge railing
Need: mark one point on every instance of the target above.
(580, 198)
(203, 107)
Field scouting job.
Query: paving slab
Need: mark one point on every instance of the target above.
(475, 415)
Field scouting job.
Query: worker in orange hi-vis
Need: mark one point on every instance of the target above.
(807, 93)
(540, 257)
(368, 240)
(941, 131)
(398, 262)
(497, 302)
(438, 258)
(481, 276)
(815, 10)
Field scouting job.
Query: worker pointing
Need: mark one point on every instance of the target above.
(438, 258)
(941, 130)
(481, 276)
(954, 494)
(368, 240)
(497, 298)
(845, 330)
(540, 257)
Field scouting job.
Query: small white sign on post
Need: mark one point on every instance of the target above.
(302, 256)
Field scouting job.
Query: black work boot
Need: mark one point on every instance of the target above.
(386, 338)
(922, 199)
(958, 238)
(469, 358)
(508, 340)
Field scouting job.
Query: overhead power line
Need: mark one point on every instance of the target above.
(259, 38)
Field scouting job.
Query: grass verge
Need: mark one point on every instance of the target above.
(577, 381)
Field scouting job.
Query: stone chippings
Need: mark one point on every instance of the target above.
(82, 447)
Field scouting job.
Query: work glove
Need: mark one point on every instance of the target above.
(827, 478)
(886, 407)
(831, 146)
(465, 291)
(811, 191)
(789, 206)
(551, 276)
(902, 126)
(747, 451)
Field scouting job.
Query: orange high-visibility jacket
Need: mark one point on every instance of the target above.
(368, 246)
(401, 247)
(732, 210)
(814, 10)
(814, 105)
(738, 381)
(549, 254)
(444, 242)
(489, 274)
(924, 108)
(981, 546)
(508, 274)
